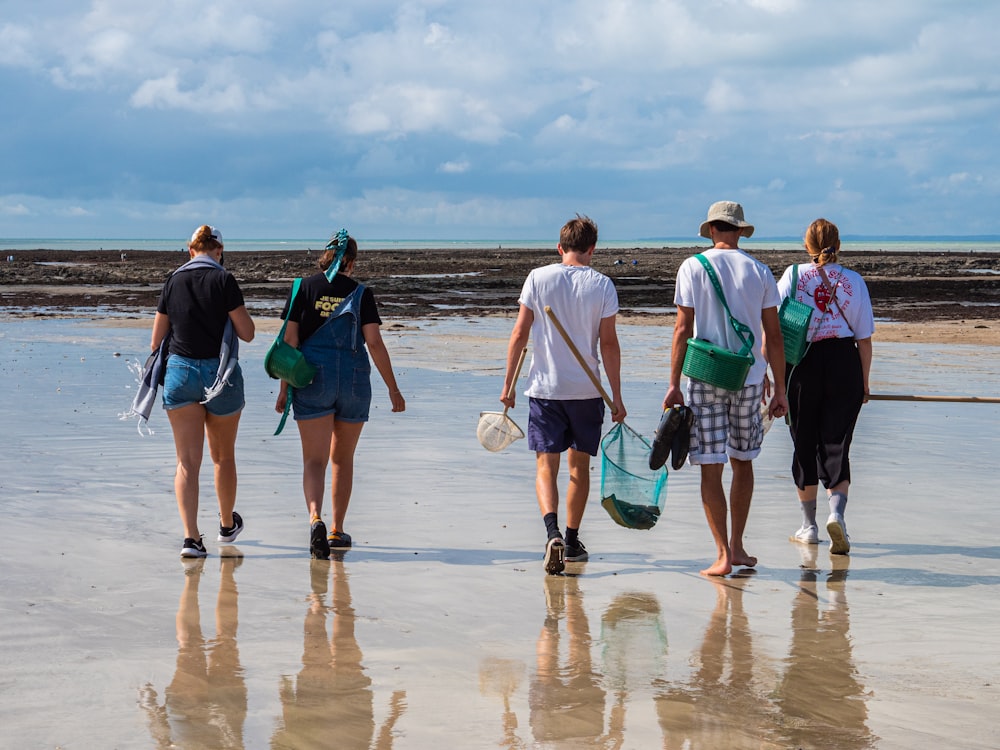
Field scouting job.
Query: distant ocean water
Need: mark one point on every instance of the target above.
(889, 244)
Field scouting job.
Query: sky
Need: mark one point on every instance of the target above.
(461, 119)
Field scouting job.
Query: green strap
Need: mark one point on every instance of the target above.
(743, 331)
(281, 335)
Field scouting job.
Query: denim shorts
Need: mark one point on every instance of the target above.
(185, 382)
(342, 387)
(555, 425)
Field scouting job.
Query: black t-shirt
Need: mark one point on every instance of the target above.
(318, 298)
(198, 303)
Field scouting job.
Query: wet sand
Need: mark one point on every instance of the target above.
(440, 629)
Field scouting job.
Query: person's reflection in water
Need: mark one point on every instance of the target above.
(330, 702)
(566, 701)
(206, 703)
(634, 653)
(819, 695)
(725, 705)
(503, 677)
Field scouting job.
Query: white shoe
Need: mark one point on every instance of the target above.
(840, 542)
(806, 535)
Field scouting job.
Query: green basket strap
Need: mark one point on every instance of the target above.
(281, 335)
(743, 331)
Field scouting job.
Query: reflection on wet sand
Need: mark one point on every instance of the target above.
(565, 697)
(725, 704)
(205, 705)
(820, 697)
(503, 677)
(330, 702)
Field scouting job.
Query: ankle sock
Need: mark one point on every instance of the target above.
(809, 512)
(551, 525)
(838, 503)
(572, 536)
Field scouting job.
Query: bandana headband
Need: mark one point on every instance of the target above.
(339, 245)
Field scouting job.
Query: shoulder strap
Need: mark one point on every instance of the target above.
(291, 301)
(743, 331)
(795, 279)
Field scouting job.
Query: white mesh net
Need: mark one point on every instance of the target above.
(496, 430)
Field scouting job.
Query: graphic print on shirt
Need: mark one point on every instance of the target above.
(326, 305)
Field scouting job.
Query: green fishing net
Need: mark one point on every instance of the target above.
(631, 493)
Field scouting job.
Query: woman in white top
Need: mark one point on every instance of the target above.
(828, 387)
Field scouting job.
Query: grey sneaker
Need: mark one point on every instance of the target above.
(555, 556)
(806, 535)
(840, 542)
(576, 552)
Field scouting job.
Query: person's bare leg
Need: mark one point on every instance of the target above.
(713, 499)
(740, 494)
(316, 435)
(221, 432)
(188, 426)
(579, 487)
(342, 446)
(546, 486)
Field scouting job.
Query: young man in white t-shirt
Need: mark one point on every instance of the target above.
(728, 424)
(565, 409)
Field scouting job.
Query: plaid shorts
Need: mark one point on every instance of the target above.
(726, 423)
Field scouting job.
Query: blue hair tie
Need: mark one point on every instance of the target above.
(339, 245)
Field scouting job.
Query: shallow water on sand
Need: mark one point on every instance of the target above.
(439, 629)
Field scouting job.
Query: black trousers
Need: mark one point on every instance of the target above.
(825, 394)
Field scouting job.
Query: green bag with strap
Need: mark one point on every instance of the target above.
(714, 364)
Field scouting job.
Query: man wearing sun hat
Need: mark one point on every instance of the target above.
(727, 424)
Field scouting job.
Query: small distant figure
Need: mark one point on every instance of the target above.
(635, 262)
(619, 262)
(10, 258)
(123, 257)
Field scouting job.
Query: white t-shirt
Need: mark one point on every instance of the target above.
(853, 301)
(581, 298)
(749, 288)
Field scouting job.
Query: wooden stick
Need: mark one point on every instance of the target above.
(948, 399)
(517, 374)
(579, 358)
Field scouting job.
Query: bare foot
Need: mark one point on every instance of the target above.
(722, 567)
(745, 561)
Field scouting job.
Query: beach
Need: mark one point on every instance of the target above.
(440, 628)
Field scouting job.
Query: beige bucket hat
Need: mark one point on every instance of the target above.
(729, 212)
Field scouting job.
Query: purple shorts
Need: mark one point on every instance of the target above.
(556, 425)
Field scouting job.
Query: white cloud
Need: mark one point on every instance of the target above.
(454, 167)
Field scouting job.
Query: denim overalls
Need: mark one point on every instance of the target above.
(342, 385)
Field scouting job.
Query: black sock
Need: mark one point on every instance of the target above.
(551, 525)
(572, 536)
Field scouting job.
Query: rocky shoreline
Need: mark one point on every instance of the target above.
(905, 287)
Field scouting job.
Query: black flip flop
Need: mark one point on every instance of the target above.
(681, 443)
(663, 438)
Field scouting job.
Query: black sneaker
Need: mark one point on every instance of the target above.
(555, 556)
(319, 547)
(339, 540)
(229, 533)
(576, 552)
(193, 548)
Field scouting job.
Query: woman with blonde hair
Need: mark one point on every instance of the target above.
(202, 311)
(332, 319)
(828, 387)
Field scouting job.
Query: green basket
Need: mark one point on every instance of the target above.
(715, 365)
(795, 317)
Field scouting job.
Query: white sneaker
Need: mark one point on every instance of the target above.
(840, 542)
(806, 535)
